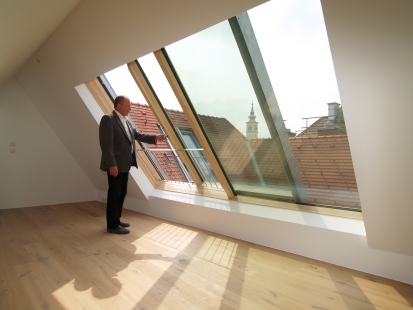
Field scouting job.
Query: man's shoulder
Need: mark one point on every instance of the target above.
(106, 119)
(111, 114)
(108, 116)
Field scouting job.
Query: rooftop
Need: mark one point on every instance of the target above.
(324, 160)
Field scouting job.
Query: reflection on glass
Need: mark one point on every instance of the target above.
(214, 76)
(177, 117)
(294, 44)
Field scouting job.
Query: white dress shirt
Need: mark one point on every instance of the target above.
(125, 125)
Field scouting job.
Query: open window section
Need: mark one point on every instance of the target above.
(173, 112)
(160, 159)
(237, 121)
(293, 41)
(156, 110)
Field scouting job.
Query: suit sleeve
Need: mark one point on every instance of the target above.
(151, 139)
(106, 141)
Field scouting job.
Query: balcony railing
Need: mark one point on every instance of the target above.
(166, 165)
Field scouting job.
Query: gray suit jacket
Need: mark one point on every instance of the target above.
(115, 144)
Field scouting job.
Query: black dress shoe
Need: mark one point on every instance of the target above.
(118, 230)
(124, 224)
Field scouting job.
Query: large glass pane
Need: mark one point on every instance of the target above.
(212, 71)
(122, 83)
(295, 48)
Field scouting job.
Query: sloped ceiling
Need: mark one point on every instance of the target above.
(24, 26)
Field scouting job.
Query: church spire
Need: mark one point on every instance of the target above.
(252, 125)
(252, 116)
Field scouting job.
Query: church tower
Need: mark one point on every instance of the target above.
(252, 125)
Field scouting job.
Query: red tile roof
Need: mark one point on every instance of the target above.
(178, 118)
(327, 169)
(145, 120)
(230, 145)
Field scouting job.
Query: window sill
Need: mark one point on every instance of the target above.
(255, 201)
(330, 219)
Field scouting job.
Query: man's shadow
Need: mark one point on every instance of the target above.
(110, 254)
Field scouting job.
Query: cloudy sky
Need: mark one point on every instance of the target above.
(294, 44)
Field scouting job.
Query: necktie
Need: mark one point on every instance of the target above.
(128, 132)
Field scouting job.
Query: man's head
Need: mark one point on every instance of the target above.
(122, 105)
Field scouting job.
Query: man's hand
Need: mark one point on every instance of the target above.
(113, 171)
(161, 137)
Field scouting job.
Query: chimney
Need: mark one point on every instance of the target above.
(333, 110)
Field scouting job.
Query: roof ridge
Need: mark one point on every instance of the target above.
(318, 137)
(174, 110)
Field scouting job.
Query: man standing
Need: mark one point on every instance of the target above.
(117, 141)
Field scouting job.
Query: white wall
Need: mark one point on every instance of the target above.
(41, 171)
(372, 48)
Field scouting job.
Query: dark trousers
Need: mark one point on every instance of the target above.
(118, 187)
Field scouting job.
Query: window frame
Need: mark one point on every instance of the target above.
(105, 103)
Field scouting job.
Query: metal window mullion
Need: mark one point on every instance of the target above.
(254, 63)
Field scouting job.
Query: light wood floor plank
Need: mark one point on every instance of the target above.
(158, 267)
(12, 292)
(37, 287)
(61, 257)
(127, 276)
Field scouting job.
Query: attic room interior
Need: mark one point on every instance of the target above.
(244, 221)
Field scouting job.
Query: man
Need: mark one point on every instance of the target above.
(117, 141)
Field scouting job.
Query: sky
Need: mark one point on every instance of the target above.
(294, 45)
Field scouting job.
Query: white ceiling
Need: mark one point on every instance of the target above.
(24, 26)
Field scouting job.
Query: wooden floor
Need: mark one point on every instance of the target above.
(60, 257)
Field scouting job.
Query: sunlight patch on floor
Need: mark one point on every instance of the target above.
(71, 296)
(374, 292)
(173, 236)
(218, 251)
